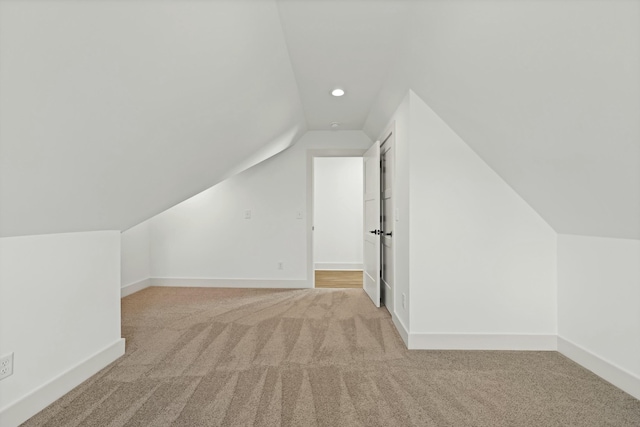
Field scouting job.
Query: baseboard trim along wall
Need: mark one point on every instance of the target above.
(23, 409)
(402, 330)
(212, 283)
(230, 283)
(132, 288)
(530, 342)
(616, 375)
(338, 266)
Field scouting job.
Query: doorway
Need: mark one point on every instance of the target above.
(387, 216)
(337, 213)
(312, 155)
(379, 221)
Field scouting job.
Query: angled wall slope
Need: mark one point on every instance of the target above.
(483, 262)
(208, 241)
(475, 262)
(548, 95)
(102, 129)
(110, 113)
(482, 270)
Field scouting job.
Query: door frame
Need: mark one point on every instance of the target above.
(311, 155)
(384, 137)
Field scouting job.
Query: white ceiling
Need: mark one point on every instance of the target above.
(112, 111)
(345, 44)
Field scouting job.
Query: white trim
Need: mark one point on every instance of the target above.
(338, 266)
(530, 342)
(21, 410)
(402, 330)
(609, 371)
(134, 287)
(229, 283)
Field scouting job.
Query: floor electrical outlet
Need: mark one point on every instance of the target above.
(6, 366)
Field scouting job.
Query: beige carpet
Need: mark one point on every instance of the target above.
(326, 357)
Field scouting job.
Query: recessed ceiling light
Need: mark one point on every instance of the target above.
(334, 125)
(337, 92)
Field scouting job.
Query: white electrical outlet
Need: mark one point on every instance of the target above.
(6, 366)
(247, 214)
(404, 301)
(280, 265)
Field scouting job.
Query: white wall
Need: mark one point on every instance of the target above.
(135, 258)
(599, 306)
(59, 315)
(136, 265)
(207, 236)
(482, 263)
(337, 218)
(400, 124)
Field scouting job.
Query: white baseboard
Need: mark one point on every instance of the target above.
(418, 341)
(402, 330)
(132, 288)
(229, 283)
(26, 407)
(338, 266)
(610, 372)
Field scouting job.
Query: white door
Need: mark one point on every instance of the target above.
(371, 168)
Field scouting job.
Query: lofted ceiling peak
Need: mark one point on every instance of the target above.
(350, 45)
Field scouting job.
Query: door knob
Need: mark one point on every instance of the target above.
(375, 232)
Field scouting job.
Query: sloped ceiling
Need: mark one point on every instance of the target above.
(113, 111)
(547, 93)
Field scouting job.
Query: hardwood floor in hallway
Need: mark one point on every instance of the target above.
(338, 279)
